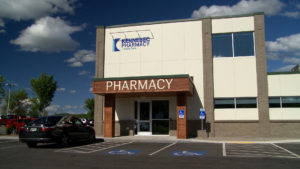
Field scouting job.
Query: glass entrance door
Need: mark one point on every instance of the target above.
(144, 118)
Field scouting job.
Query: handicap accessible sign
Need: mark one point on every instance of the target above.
(188, 153)
(181, 114)
(202, 114)
(123, 152)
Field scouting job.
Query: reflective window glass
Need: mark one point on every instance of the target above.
(222, 45)
(160, 109)
(291, 101)
(224, 103)
(274, 102)
(243, 44)
(246, 103)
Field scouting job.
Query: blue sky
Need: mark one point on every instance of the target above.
(58, 36)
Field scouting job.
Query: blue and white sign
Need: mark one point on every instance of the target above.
(123, 152)
(129, 40)
(188, 153)
(202, 114)
(181, 114)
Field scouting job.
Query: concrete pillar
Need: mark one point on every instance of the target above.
(181, 122)
(208, 78)
(99, 73)
(109, 116)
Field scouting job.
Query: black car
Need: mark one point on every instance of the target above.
(56, 129)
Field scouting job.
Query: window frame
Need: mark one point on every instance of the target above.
(233, 46)
(235, 103)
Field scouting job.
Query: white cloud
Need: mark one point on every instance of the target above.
(273, 55)
(72, 91)
(48, 35)
(61, 109)
(53, 108)
(34, 9)
(269, 7)
(291, 60)
(84, 72)
(91, 89)
(2, 31)
(292, 14)
(80, 57)
(61, 89)
(285, 44)
(284, 68)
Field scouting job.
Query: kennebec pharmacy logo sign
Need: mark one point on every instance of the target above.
(131, 40)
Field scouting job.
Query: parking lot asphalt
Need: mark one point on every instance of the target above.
(135, 155)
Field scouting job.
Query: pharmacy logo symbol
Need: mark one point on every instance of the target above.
(131, 40)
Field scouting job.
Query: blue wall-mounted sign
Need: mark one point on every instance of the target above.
(202, 114)
(123, 152)
(188, 153)
(181, 114)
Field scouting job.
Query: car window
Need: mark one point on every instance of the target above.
(50, 120)
(77, 122)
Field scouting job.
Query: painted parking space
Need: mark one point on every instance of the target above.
(193, 149)
(143, 149)
(92, 148)
(293, 147)
(123, 152)
(9, 144)
(257, 150)
(188, 153)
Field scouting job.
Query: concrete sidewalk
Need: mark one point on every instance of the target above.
(168, 139)
(171, 139)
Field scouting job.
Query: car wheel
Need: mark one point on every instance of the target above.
(64, 140)
(31, 144)
(92, 137)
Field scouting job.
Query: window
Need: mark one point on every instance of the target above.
(284, 102)
(233, 44)
(274, 102)
(231, 103)
(222, 45)
(224, 103)
(246, 103)
(290, 101)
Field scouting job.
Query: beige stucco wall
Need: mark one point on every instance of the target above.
(235, 77)
(236, 114)
(284, 85)
(176, 48)
(228, 25)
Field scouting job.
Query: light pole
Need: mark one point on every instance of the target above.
(10, 85)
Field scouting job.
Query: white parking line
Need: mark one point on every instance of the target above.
(75, 149)
(224, 149)
(11, 141)
(7, 147)
(296, 155)
(162, 149)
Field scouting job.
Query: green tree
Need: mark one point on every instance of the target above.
(2, 91)
(34, 108)
(44, 87)
(18, 103)
(89, 106)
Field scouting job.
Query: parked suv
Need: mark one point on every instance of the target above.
(57, 129)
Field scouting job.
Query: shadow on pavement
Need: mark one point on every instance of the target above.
(72, 144)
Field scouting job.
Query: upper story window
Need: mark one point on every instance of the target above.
(233, 44)
(284, 102)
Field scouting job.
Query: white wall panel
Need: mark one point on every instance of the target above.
(236, 114)
(284, 85)
(235, 77)
(284, 113)
(228, 25)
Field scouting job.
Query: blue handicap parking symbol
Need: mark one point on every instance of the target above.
(188, 153)
(123, 152)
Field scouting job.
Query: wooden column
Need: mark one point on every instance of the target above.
(109, 116)
(181, 122)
